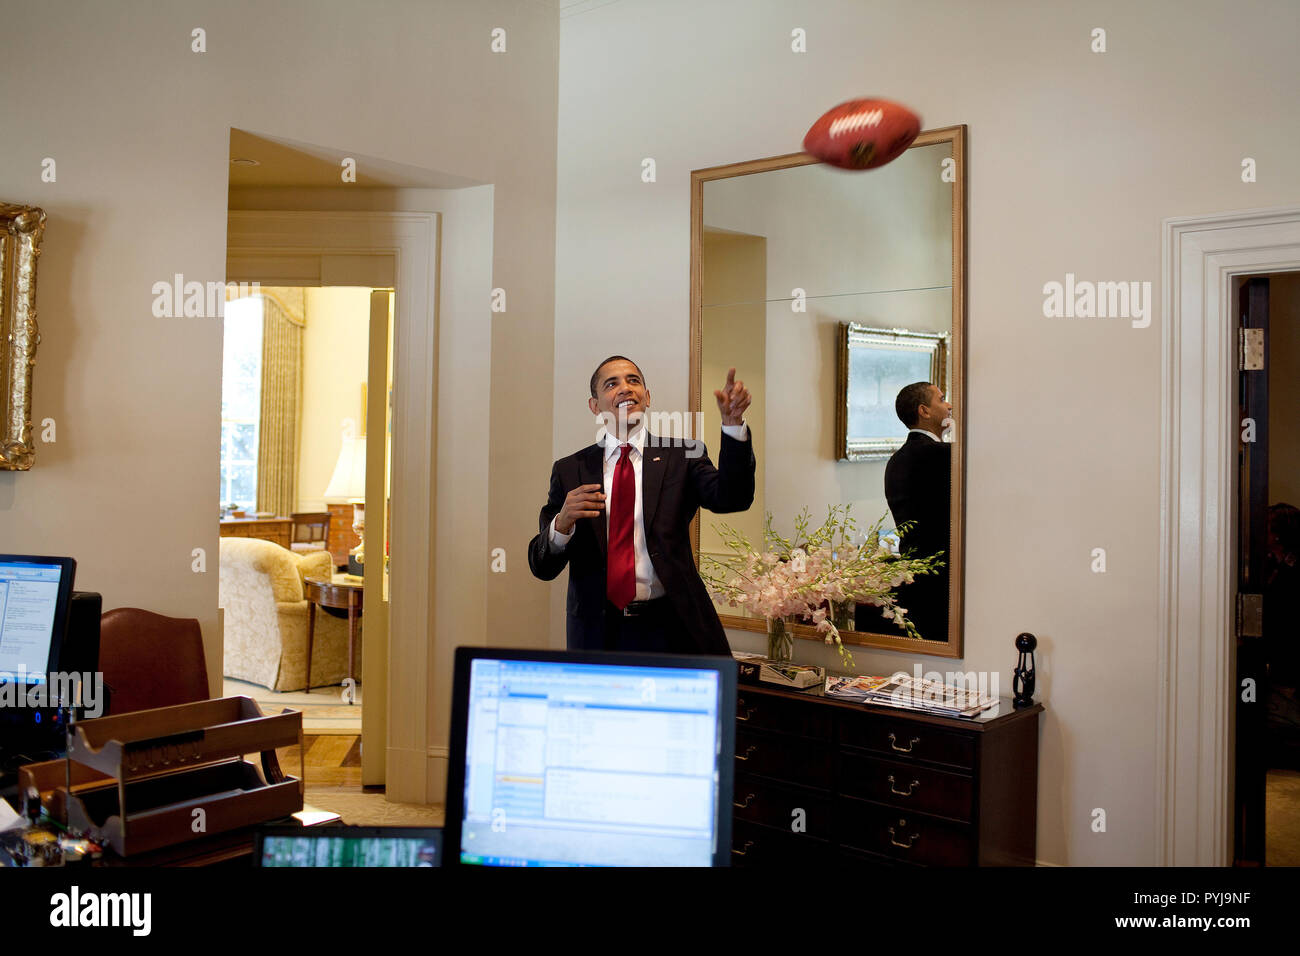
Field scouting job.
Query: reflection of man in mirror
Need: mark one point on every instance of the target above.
(619, 515)
(918, 482)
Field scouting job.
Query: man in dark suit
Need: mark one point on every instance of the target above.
(918, 484)
(619, 513)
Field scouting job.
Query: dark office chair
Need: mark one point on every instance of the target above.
(150, 660)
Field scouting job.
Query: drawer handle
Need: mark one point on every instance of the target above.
(742, 806)
(903, 750)
(749, 712)
(903, 793)
(748, 750)
(741, 852)
(910, 840)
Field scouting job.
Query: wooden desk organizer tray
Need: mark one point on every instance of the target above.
(158, 777)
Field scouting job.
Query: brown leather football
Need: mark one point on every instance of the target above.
(862, 134)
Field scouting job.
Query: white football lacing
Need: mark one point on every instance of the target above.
(847, 124)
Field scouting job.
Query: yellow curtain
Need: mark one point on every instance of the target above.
(280, 422)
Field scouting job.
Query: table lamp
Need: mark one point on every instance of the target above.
(349, 482)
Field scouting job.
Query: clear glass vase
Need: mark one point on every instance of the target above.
(780, 638)
(844, 614)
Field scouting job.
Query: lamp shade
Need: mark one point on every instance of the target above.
(349, 479)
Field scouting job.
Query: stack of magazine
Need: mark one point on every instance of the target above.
(913, 693)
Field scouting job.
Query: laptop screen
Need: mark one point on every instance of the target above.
(348, 846)
(572, 763)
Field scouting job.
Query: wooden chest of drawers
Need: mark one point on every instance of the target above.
(821, 781)
(275, 530)
(342, 538)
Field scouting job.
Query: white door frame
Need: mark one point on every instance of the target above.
(397, 250)
(1194, 716)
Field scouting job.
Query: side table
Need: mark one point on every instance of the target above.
(338, 592)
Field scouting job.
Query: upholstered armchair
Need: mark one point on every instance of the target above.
(262, 593)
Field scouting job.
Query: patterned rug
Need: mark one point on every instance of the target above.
(372, 810)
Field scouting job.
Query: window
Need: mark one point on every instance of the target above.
(241, 399)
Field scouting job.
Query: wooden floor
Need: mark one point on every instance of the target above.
(333, 762)
(1282, 818)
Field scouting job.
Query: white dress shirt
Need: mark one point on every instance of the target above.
(648, 585)
(922, 431)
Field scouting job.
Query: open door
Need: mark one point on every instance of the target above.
(374, 638)
(1252, 544)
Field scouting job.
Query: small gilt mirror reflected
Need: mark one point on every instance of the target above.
(873, 365)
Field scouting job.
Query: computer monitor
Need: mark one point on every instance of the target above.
(342, 846)
(35, 594)
(601, 759)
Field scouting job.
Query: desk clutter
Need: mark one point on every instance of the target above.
(897, 690)
(912, 693)
(149, 779)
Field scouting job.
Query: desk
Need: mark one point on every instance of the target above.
(276, 530)
(338, 592)
(232, 848)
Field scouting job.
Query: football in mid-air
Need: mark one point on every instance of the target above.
(862, 134)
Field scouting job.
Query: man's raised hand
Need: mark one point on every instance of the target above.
(733, 399)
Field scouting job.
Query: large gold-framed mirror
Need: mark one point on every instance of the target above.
(794, 265)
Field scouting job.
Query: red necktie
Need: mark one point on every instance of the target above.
(620, 568)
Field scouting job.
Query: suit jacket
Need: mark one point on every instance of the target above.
(918, 487)
(673, 488)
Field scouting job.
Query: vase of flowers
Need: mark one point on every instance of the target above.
(809, 575)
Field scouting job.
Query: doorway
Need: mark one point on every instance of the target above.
(1203, 256)
(1266, 640)
(306, 487)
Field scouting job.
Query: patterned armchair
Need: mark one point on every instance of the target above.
(262, 592)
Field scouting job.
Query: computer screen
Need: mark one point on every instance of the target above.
(348, 846)
(34, 597)
(591, 759)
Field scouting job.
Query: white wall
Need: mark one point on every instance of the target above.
(139, 127)
(335, 346)
(1075, 158)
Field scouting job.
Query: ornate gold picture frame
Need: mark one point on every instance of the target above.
(21, 230)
